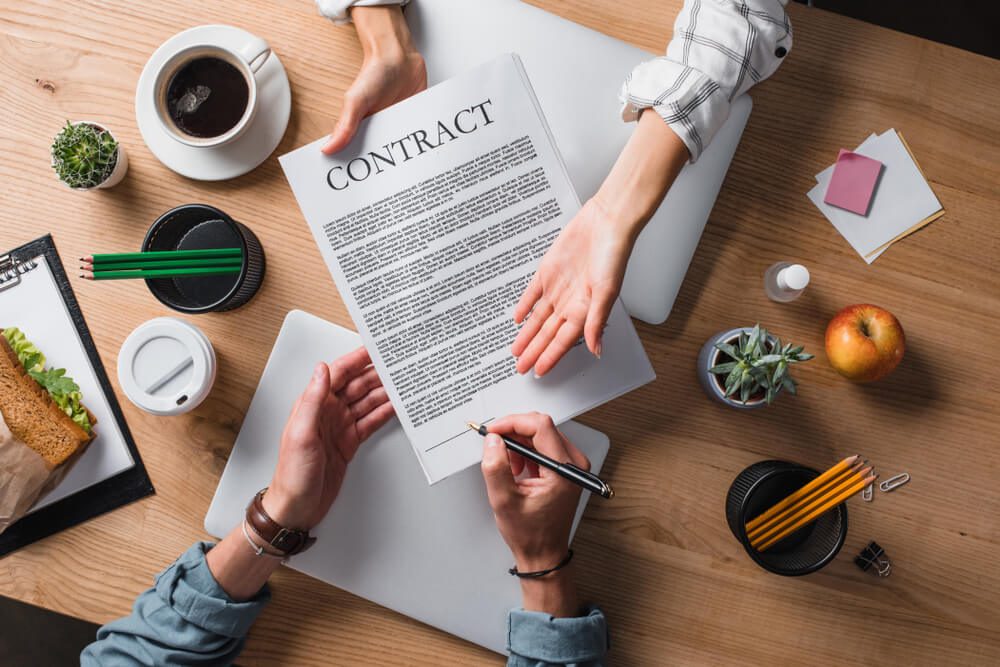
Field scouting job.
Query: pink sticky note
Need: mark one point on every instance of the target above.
(853, 182)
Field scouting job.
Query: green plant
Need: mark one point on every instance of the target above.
(83, 155)
(758, 365)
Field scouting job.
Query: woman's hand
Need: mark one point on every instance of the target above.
(392, 70)
(534, 507)
(343, 405)
(573, 291)
(579, 278)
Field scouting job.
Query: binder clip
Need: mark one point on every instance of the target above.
(873, 558)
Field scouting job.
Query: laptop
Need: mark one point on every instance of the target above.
(576, 73)
(430, 552)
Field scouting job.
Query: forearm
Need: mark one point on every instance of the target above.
(642, 175)
(553, 594)
(185, 618)
(383, 32)
(240, 572)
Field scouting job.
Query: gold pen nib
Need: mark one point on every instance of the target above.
(473, 425)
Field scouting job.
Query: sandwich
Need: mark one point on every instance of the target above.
(41, 406)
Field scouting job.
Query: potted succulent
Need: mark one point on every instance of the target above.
(86, 156)
(746, 368)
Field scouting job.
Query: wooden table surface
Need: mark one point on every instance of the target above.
(659, 559)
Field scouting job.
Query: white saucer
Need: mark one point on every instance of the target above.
(232, 159)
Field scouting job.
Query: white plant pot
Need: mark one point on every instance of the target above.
(121, 162)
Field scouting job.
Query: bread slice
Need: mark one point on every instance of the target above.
(31, 414)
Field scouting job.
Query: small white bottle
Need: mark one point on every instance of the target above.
(784, 281)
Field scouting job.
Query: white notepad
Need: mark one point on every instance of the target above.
(430, 552)
(901, 200)
(36, 307)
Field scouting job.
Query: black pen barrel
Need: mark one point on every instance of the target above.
(584, 478)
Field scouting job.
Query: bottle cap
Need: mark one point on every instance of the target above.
(166, 366)
(794, 277)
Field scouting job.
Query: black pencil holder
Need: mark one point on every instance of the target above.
(200, 227)
(762, 485)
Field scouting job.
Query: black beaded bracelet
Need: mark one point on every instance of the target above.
(541, 573)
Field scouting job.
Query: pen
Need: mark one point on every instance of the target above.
(575, 474)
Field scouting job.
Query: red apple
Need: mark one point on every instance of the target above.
(864, 342)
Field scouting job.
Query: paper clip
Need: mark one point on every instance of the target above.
(894, 483)
(874, 556)
(868, 493)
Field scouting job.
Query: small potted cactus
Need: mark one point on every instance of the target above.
(747, 368)
(86, 156)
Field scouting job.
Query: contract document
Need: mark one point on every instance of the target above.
(432, 222)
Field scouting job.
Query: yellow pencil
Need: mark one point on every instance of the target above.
(820, 490)
(819, 511)
(805, 490)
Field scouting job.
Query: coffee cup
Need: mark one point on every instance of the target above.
(205, 95)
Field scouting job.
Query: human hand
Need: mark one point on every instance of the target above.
(579, 278)
(392, 70)
(574, 289)
(343, 405)
(534, 507)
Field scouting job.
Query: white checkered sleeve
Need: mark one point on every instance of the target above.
(720, 49)
(338, 10)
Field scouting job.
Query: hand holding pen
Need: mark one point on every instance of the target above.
(534, 511)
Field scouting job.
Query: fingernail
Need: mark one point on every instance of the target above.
(599, 348)
(318, 372)
(493, 441)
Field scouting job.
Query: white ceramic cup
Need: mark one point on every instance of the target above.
(248, 59)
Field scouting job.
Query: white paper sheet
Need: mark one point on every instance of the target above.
(902, 198)
(432, 291)
(36, 307)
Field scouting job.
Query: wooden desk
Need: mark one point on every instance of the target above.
(659, 559)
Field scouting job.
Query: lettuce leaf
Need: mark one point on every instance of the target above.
(64, 391)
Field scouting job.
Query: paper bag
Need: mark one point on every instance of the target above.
(24, 477)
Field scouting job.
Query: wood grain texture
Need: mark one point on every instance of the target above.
(659, 558)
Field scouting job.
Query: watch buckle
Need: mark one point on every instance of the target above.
(279, 541)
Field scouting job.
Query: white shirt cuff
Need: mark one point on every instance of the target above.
(338, 10)
(690, 102)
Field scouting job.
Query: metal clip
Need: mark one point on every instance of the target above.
(10, 274)
(894, 483)
(868, 493)
(874, 556)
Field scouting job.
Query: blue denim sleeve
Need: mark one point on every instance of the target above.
(184, 619)
(535, 639)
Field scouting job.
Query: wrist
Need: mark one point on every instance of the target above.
(642, 175)
(283, 510)
(553, 594)
(383, 32)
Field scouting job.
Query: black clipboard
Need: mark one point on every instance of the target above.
(123, 488)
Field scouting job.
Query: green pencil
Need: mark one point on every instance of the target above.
(160, 255)
(167, 264)
(164, 273)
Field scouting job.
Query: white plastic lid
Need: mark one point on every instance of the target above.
(166, 366)
(794, 277)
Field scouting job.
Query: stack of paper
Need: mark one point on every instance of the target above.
(901, 201)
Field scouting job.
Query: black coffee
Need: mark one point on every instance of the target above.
(207, 97)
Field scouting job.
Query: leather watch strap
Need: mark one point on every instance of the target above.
(288, 541)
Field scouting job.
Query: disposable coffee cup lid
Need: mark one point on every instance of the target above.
(166, 366)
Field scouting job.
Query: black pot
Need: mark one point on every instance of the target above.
(762, 485)
(198, 227)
